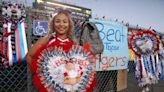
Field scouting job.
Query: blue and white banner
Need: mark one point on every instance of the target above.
(115, 55)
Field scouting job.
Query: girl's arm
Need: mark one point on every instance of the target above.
(32, 51)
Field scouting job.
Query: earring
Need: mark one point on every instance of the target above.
(54, 34)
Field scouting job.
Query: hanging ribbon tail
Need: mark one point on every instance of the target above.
(157, 67)
(154, 71)
(137, 68)
(6, 51)
(17, 45)
(161, 62)
(142, 72)
(23, 40)
(21, 43)
(9, 46)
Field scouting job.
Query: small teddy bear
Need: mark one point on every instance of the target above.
(72, 74)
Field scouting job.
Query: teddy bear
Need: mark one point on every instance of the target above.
(72, 75)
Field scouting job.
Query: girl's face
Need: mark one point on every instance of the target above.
(61, 24)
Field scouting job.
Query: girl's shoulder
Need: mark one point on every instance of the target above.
(43, 40)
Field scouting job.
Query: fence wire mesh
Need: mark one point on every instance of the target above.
(106, 81)
(13, 79)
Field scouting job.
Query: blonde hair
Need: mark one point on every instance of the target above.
(71, 24)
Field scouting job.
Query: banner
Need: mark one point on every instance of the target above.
(115, 55)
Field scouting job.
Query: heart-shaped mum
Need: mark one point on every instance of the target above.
(144, 43)
(65, 72)
(13, 11)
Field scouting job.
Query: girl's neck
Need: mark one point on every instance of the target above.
(62, 37)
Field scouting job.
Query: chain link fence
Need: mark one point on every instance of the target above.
(13, 79)
(18, 79)
(106, 81)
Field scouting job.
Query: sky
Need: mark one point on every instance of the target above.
(144, 13)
